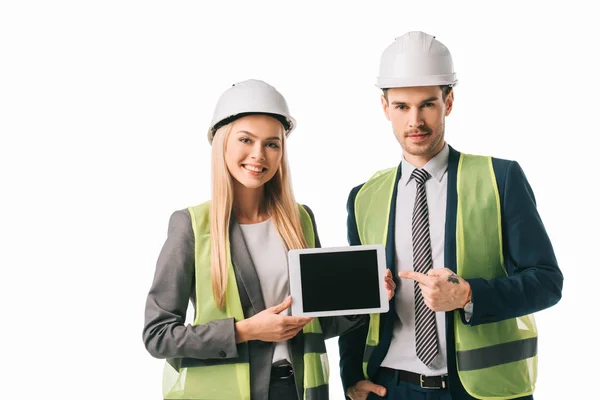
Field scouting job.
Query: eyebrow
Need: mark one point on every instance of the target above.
(256, 137)
(428, 100)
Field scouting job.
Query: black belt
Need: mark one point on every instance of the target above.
(426, 382)
(282, 371)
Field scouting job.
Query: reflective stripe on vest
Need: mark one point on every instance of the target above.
(495, 360)
(230, 379)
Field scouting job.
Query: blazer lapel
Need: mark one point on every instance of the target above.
(243, 266)
(390, 248)
(260, 353)
(387, 320)
(450, 248)
(451, 208)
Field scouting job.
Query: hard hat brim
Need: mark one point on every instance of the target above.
(432, 80)
(288, 122)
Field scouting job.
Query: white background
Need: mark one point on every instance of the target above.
(104, 108)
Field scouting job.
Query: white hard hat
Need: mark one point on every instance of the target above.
(250, 97)
(416, 59)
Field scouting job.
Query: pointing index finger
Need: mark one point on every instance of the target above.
(416, 276)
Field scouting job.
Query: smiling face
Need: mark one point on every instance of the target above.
(418, 117)
(254, 150)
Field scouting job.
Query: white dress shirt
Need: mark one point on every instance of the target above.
(402, 353)
(270, 261)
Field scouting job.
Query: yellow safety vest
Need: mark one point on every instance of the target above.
(230, 379)
(496, 360)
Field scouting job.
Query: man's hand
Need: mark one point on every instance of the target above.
(361, 390)
(390, 285)
(442, 289)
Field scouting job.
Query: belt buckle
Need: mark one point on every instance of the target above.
(424, 386)
(291, 372)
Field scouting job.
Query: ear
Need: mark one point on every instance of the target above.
(449, 102)
(386, 107)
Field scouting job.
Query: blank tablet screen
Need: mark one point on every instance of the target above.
(339, 281)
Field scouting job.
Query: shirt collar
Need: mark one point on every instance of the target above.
(436, 167)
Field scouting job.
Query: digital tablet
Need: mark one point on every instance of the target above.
(332, 281)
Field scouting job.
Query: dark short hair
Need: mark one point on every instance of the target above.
(230, 119)
(446, 89)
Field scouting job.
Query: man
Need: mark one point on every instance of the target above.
(463, 234)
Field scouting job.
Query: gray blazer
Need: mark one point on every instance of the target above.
(167, 336)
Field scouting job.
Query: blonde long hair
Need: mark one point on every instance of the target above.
(280, 204)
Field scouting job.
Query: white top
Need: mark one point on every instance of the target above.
(402, 353)
(270, 261)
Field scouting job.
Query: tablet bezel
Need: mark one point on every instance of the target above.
(296, 282)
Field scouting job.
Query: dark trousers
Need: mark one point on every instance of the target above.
(282, 389)
(409, 391)
(404, 390)
(282, 385)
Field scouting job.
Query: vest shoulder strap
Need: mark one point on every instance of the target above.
(200, 216)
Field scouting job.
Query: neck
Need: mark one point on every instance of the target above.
(417, 161)
(249, 205)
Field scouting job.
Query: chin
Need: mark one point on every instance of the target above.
(250, 184)
(418, 149)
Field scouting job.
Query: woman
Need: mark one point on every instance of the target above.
(229, 257)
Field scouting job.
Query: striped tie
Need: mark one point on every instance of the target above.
(425, 330)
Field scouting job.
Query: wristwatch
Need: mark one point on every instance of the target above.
(468, 307)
